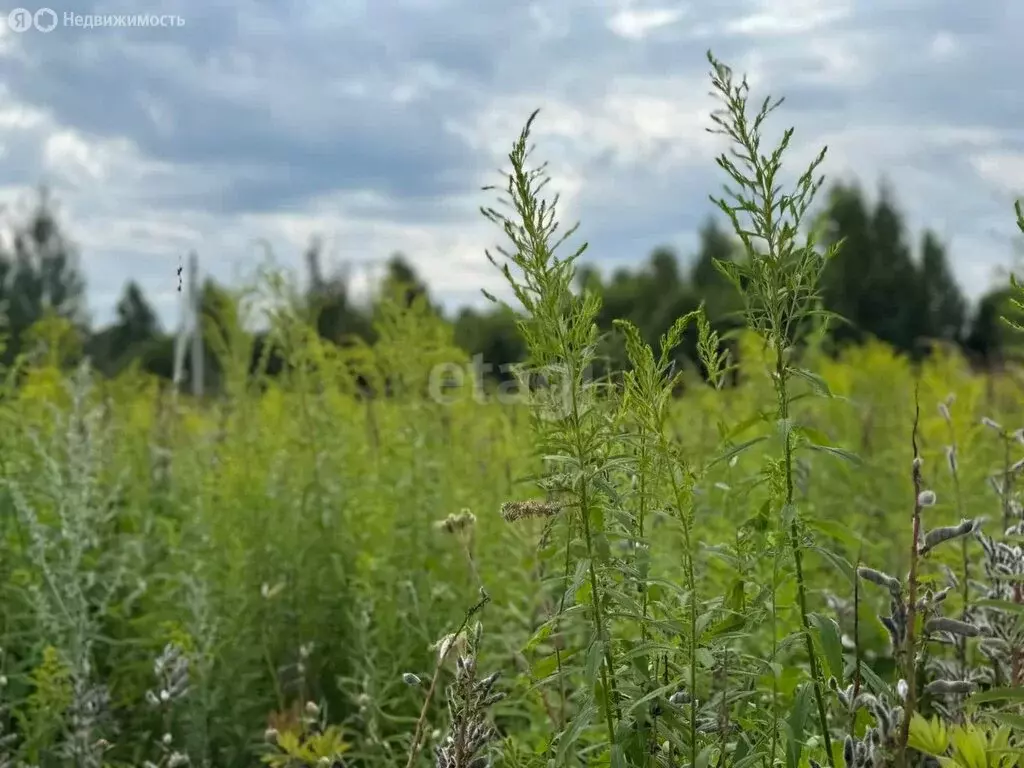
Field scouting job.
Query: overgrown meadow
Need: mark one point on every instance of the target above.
(776, 557)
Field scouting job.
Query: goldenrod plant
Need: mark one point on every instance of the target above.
(774, 555)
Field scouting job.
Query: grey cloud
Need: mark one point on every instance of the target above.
(378, 118)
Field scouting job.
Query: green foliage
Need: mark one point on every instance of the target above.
(671, 561)
(38, 275)
(311, 744)
(1017, 304)
(965, 745)
(44, 710)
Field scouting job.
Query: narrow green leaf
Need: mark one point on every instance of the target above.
(1007, 718)
(594, 659)
(584, 716)
(875, 683)
(796, 725)
(833, 451)
(841, 563)
(1002, 605)
(736, 450)
(998, 694)
(831, 645)
(817, 382)
(837, 531)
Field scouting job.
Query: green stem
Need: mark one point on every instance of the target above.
(691, 585)
(642, 542)
(910, 648)
(640, 525)
(794, 541)
(1007, 482)
(964, 551)
(608, 668)
(775, 650)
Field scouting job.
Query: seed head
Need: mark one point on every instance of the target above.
(457, 523)
(946, 533)
(881, 579)
(268, 592)
(996, 483)
(518, 510)
(678, 698)
(953, 626)
(992, 424)
(950, 686)
(926, 499)
(450, 646)
(410, 679)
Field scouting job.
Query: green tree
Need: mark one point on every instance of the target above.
(873, 283)
(844, 282)
(494, 336)
(944, 309)
(716, 244)
(336, 318)
(39, 275)
(136, 327)
(136, 320)
(990, 340)
(402, 276)
(893, 294)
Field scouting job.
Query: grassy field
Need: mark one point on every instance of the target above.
(295, 574)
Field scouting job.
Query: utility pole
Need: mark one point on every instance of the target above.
(190, 325)
(197, 325)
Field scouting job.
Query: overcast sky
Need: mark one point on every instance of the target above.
(376, 122)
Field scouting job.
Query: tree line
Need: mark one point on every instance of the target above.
(884, 284)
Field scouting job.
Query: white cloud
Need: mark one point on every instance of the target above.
(376, 124)
(18, 117)
(789, 17)
(1003, 170)
(550, 21)
(636, 23)
(944, 45)
(658, 122)
(72, 160)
